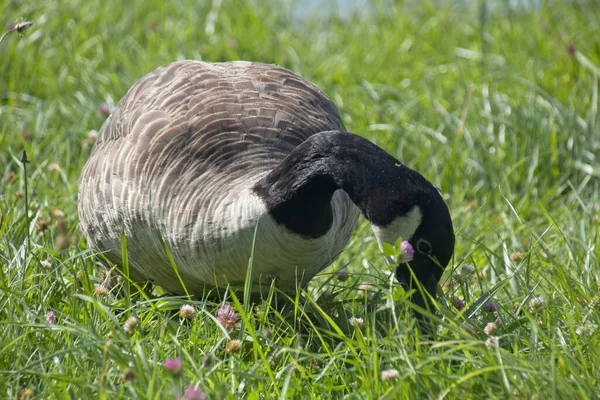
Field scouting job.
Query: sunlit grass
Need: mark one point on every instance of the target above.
(497, 105)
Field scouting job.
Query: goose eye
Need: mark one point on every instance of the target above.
(424, 246)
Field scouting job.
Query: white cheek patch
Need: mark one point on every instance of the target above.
(403, 226)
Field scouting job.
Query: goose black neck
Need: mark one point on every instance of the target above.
(298, 192)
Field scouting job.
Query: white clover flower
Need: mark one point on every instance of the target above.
(357, 322)
(187, 311)
(131, 324)
(389, 374)
(490, 328)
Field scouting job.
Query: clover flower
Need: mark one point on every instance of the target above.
(407, 253)
(50, 318)
(42, 224)
(490, 328)
(100, 290)
(131, 324)
(342, 275)
(194, 393)
(389, 374)
(458, 303)
(187, 311)
(233, 346)
(105, 109)
(173, 365)
(357, 322)
(57, 213)
(227, 317)
(490, 306)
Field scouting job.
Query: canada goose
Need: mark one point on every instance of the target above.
(200, 153)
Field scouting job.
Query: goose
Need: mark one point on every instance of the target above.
(215, 159)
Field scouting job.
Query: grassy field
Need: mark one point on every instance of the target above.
(496, 104)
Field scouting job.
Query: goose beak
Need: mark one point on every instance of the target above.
(425, 288)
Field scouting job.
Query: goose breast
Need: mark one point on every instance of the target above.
(176, 161)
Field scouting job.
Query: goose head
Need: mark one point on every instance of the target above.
(423, 219)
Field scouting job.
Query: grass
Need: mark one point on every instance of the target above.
(497, 104)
